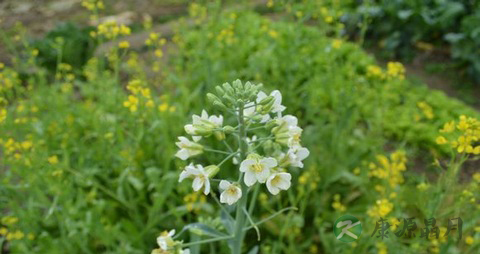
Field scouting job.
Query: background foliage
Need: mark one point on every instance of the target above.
(85, 172)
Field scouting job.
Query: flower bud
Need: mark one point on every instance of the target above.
(219, 105)
(229, 98)
(265, 100)
(202, 131)
(228, 89)
(228, 129)
(265, 109)
(257, 118)
(253, 156)
(219, 90)
(212, 170)
(212, 98)
(248, 87)
(270, 124)
(237, 85)
(220, 135)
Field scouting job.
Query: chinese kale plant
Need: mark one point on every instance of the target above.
(261, 143)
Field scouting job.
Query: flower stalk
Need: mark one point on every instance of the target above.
(238, 233)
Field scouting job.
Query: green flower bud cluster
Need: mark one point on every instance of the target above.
(235, 94)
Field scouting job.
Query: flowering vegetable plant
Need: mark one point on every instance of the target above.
(262, 145)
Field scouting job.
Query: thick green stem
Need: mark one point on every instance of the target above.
(238, 233)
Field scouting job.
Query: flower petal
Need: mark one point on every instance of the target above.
(182, 154)
(249, 178)
(206, 191)
(197, 184)
(224, 184)
(269, 162)
(263, 175)
(245, 165)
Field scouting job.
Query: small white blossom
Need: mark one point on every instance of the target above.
(287, 131)
(187, 148)
(249, 109)
(203, 122)
(293, 157)
(230, 192)
(200, 177)
(295, 134)
(257, 170)
(277, 105)
(297, 155)
(278, 181)
(287, 121)
(165, 240)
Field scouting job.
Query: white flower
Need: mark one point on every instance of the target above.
(200, 177)
(249, 109)
(277, 104)
(203, 123)
(257, 170)
(293, 157)
(230, 192)
(185, 251)
(287, 132)
(297, 155)
(278, 181)
(276, 108)
(165, 239)
(295, 133)
(287, 121)
(187, 148)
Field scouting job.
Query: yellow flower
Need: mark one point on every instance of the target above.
(448, 127)
(426, 109)
(395, 70)
(337, 43)
(423, 186)
(441, 140)
(273, 33)
(124, 44)
(464, 144)
(145, 92)
(476, 177)
(53, 159)
(27, 144)
(163, 107)
(150, 104)
(374, 71)
(356, 171)
(382, 208)
(158, 53)
(131, 103)
(9, 220)
(382, 248)
(469, 240)
(3, 115)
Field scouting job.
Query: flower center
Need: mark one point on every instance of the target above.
(257, 167)
(232, 191)
(296, 137)
(275, 180)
